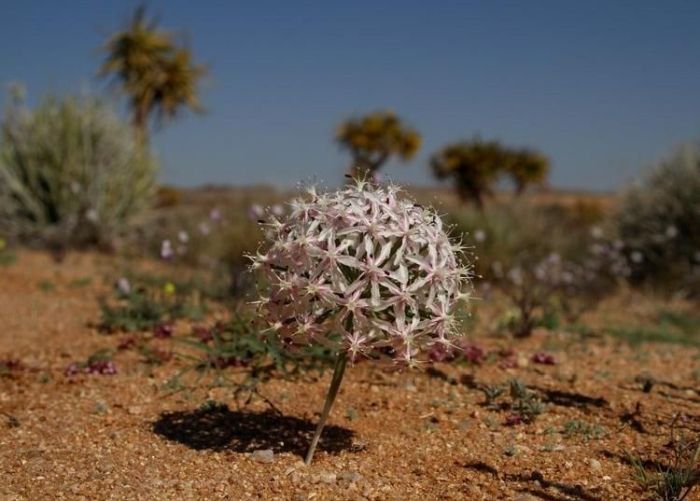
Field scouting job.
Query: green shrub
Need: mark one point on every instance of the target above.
(543, 258)
(71, 173)
(659, 221)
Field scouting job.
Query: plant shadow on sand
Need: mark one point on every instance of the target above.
(219, 429)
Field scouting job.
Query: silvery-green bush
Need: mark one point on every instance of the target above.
(659, 222)
(71, 173)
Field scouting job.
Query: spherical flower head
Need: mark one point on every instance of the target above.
(364, 270)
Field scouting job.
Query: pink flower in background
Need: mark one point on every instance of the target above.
(163, 331)
(544, 358)
(166, 250)
(204, 228)
(255, 212)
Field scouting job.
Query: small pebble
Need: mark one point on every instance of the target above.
(263, 456)
(349, 476)
(327, 477)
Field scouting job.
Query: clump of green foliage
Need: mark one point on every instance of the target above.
(670, 327)
(524, 403)
(142, 308)
(237, 355)
(7, 257)
(659, 221)
(675, 480)
(588, 431)
(71, 173)
(546, 280)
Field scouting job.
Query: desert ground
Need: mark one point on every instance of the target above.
(432, 434)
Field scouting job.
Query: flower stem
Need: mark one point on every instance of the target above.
(338, 372)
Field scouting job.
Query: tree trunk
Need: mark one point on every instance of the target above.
(140, 122)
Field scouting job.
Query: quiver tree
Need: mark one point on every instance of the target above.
(155, 72)
(473, 165)
(527, 167)
(374, 138)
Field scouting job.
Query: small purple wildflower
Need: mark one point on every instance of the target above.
(543, 358)
(73, 369)
(127, 343)
(473, 353)
(514, 420)
(10, 365)
(224, 362)
(203, 334)
(509, 359)
(163, 331)
(440, 353)
(104, 367)
(215, 214)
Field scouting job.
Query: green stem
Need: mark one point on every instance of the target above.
(338, 372)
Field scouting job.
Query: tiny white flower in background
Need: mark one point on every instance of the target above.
(277, 210)
(596, 232)
(74, 187)
(183, 236)
(215, 214)
(618, 244)
(256, 212)
(361, 263)
(597, 249)
(515, 275)
(671, 232)
(554, 258)
(540, 272)
(92, 215)
(479, 235)
(124, 286)
(567, 277)
(637, 257)
(204, 228)
(497, 268)
(166, 250)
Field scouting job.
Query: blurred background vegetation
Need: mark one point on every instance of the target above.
(74, 174)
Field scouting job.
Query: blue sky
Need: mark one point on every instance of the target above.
(603, 87)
